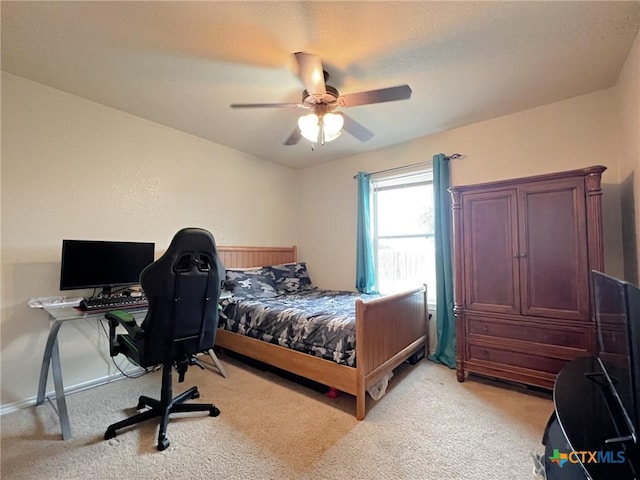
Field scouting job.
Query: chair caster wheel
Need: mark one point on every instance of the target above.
(214, 412)
(109, 434)
(195, 395)
(163, 444)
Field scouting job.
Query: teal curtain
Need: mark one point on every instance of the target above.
(445, 320)
(365, 270)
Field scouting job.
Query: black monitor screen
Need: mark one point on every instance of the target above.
(618, 329)
(93, 264)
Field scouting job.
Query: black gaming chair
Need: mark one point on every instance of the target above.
(183, 290)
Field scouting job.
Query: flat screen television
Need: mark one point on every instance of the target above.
(103, 264)
(617, 314)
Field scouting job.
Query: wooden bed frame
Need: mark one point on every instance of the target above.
(389, 330)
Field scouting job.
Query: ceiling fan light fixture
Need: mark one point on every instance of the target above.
(331, 136)
(309, 127)
(328, 124)
(333, 123)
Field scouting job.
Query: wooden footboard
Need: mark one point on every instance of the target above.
(389, 330)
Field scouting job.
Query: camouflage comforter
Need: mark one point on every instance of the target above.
(317, 322)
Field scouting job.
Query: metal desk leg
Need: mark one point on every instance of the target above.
(52, 358)
(217, 363)
(52, 340)
(65, 426)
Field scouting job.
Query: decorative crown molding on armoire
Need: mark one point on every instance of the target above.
(523, 252)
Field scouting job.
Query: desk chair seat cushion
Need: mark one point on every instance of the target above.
(129, 349)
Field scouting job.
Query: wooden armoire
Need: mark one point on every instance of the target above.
(523, 251)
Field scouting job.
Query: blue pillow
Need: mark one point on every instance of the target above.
(259, 283)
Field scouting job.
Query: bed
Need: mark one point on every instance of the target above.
(388, 330)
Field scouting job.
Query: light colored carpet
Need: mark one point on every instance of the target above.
(427, 426)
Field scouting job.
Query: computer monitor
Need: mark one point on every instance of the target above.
(103, 264)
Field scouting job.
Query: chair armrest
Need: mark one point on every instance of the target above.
(120, 317)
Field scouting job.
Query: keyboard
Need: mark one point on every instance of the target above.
(111, 303)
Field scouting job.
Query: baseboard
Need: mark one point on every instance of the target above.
(29, 402)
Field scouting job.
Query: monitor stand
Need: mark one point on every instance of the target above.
(106, 292)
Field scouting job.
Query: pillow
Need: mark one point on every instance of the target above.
(255, 283)
(292, 277)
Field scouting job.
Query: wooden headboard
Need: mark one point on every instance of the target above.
(246, 257)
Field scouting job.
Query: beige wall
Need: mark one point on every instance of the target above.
(562, 136)
(628, 104)
(75, 169)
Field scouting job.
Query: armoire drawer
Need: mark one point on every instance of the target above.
(573, 337)
(494, 355)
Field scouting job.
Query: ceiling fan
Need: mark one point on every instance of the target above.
(322, 124)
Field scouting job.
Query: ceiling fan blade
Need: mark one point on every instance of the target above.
(294, 137)
(356, 129)
(390, 94)
(311, 74)
(267, 105)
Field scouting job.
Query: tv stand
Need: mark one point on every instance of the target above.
(583, 439)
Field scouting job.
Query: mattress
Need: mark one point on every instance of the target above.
(317, 322)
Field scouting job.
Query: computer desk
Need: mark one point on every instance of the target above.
(51, 357)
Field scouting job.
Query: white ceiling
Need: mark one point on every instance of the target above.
(181, 64)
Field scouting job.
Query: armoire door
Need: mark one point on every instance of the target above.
(491, 278)
(553, 253)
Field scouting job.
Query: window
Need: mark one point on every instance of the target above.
(403, 231)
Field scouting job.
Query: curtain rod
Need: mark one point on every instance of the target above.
(450, 157)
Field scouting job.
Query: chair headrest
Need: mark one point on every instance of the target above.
(190, 249)
(192, 239)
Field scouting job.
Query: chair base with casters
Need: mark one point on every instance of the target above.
(163, 408)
